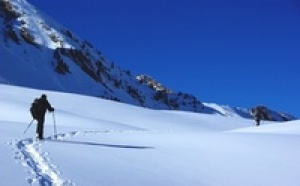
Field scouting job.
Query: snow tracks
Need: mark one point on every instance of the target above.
(28, 152)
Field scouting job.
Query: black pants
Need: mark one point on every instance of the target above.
(257, 122)
(40, 127)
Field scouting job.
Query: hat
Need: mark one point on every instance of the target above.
(44, 96)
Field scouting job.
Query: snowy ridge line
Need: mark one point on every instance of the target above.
(28, 153)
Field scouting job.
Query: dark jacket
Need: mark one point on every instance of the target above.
(44, 105)
(258, 115)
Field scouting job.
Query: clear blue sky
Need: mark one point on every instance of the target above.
(234, 52)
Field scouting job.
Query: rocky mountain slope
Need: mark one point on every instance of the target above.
(37, 52)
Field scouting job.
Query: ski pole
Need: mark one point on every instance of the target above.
(28, 126)
(54, 123)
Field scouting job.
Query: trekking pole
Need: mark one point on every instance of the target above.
(54, 123)
(28, 126)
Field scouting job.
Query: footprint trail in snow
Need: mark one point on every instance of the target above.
(29, 154)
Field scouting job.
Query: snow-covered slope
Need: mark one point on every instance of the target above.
(100, 142)
(37, 52)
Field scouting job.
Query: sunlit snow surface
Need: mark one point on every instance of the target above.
(101, 142)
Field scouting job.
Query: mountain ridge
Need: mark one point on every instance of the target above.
(45, 55)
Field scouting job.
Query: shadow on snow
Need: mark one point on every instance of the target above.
(101, 144)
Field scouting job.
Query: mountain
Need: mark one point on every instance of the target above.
(37, 52)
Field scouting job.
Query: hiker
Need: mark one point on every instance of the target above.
(258, 115)
(42, 105)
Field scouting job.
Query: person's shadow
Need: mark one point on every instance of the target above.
(101, 144)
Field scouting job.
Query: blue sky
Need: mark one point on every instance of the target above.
(233, 52)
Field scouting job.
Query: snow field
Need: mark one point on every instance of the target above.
(100, 142)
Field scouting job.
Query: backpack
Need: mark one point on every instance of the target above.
(35, 108)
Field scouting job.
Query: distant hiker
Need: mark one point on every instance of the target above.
(258, 115)
(38, 110)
